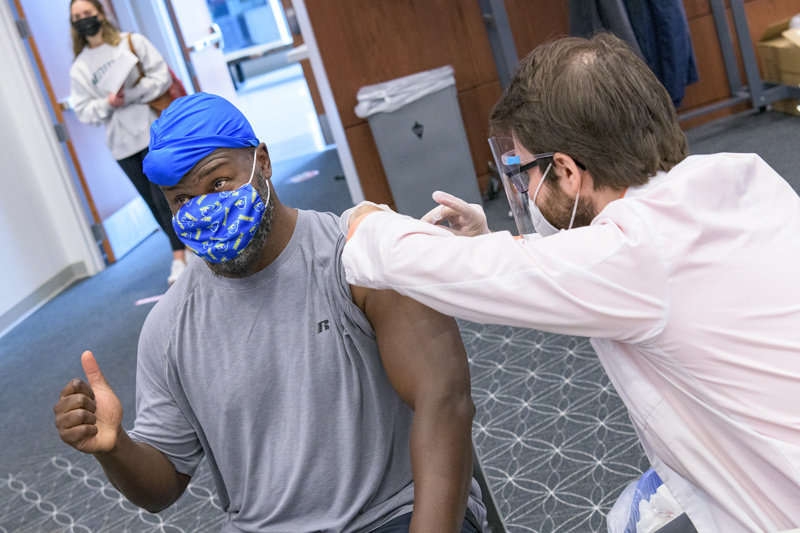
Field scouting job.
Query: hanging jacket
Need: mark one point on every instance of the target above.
(662, 32)
(657, 30)
(587, 17)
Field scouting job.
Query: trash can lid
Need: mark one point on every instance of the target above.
(393, 94)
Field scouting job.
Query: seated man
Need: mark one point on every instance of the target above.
(319, 406)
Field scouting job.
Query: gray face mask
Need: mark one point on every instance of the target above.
(542, 226)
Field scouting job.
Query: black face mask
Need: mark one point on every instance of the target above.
(88, 26)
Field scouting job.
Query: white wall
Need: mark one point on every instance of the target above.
(151, 19)
(45, 231)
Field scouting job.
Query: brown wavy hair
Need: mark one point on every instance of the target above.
(596, 101)
(110, 32)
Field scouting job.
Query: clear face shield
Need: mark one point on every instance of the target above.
(514, 174)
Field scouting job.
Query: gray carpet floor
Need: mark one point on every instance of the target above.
(554, 439)
(312, 182)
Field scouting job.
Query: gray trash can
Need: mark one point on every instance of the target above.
(417, 126)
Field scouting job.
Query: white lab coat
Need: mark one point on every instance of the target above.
(690, 289)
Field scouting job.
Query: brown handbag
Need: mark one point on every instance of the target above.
(176, 88)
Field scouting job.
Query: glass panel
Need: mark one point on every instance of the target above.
(250, 26)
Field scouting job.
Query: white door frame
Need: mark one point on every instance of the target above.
(328, 102)
(317, 66)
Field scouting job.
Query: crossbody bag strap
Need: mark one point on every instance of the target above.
(138, 61)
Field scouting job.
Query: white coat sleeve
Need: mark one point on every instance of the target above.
(89, 108)
(596, 281)
(156, 78)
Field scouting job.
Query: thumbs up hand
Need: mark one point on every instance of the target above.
(89, 415)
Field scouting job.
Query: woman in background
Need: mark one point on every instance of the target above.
(97, 45)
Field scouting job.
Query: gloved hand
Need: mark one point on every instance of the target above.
(466, 220)
(352, 214)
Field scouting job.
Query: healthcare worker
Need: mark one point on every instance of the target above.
(683, 270)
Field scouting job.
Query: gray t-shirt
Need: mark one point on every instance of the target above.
(276, 378)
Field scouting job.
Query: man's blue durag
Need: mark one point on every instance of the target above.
(188, 130)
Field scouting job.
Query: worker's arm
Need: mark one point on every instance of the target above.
(604, 280)
(89, 418)
(425, 361)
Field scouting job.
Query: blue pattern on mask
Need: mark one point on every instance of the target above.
(219, 226)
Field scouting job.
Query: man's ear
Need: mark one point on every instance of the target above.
(264, 163)
(568, 172)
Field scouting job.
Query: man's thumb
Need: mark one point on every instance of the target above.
(93, 374)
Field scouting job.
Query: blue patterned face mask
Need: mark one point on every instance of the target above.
(219, 226)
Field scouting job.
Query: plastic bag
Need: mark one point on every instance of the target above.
(657, 511)
(392, 95)
(643, 507)
(620, 513)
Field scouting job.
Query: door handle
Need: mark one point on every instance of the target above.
(216, 34)
(67, 104)
(297, 54)
(214, 38)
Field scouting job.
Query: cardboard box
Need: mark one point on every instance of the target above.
(779, 49)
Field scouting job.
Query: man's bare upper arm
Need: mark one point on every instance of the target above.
(421, 349)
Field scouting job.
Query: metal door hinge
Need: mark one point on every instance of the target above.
(61, 132)
(23, 28)
(99, 232)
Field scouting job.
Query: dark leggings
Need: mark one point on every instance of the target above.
(132, 166)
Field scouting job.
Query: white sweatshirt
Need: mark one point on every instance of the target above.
(127, 127)
(689, 287)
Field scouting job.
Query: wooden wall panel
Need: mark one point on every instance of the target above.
(368, 162)
(696, 8)
(713, 84)
(534, 23)
(476, 104)
(363, 42)
(483, 183)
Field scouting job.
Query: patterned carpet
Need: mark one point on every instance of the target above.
(69, 493)
(554, 440)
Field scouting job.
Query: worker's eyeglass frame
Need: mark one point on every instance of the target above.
(515, 174)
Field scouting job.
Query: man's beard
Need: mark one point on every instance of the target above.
(242, 265)
(558, 208)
